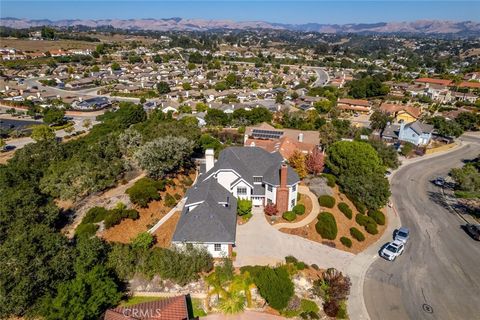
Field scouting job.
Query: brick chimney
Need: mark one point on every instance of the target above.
(282, 191)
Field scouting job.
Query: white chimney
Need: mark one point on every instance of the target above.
(209, 159)
(300, 137)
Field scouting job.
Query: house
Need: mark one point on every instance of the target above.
(416, 132)
(209, 217)
(92, 103)
(284, 141)
(173, 308)
(354, 105)
(401, 112)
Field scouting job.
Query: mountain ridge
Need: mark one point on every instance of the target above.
(181, 24)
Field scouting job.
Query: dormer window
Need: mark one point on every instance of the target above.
(257, 179)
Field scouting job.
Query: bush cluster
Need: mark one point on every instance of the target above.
(109, 217)
(331, 179)
(299, 209)
(115, 216)
(170, 200)
(367, 222)
(346, 242)
(145, 190)
(326, 201)
(345, 209)
(357, 234)
(289, 215)
(378, 216)
(327, 226)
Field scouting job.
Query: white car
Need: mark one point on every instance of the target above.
(402, 234)
(392, 250)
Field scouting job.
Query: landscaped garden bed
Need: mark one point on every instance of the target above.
(304, 205)
(341, 211)
(155, 210)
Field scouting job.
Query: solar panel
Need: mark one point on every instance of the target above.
(266, 134)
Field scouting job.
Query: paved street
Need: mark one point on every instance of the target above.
(322, 77)
(438, 276)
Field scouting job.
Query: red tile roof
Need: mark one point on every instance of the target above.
(357, 102)
(467, 84)
(286, 146)
(434, 81)
(394, 108)
(174, 308)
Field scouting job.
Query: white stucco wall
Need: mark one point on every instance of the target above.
(210, 248)
(242, 185)
(272, 195)
(292, 195)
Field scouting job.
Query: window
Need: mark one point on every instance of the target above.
(241, 191)
(257, 179)
(293, 202)
(294, 188)
(217, 247)
(269, 201)
(270, 188)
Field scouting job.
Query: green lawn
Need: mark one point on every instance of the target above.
(197, 305)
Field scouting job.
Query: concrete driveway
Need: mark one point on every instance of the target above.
(259, 243)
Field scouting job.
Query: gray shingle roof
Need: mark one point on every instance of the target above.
(420, 127)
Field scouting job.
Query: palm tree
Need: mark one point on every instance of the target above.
(232, 302)
(243, 282)
(214, 282)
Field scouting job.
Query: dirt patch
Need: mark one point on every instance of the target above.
(164, 233)
(46, 45)
(343, 224)
(156, 210)
(306, 201)
(5, 156)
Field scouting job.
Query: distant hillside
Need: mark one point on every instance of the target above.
(415, 27)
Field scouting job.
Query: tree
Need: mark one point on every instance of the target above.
(216, 117)
(232, 302)
(467, 178)
(87, 123)
(379, 120)
(444, 127)
(48, 33)
(85, 297)
(157, 59)
(53, 115)
(164, 155)
(387, 154)
(163, 87)
(469, 121)
(315, 162)
(187, 86)
(42, 132)
(297, 162)
(360, 172)
(328, 134)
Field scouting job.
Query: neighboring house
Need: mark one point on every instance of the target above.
(354, 105)
(209, 217)
(284, 141)
(401, 112)
(92, 103)
(173, 308)
(416, 132)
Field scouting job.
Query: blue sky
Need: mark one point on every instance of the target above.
(272, 11)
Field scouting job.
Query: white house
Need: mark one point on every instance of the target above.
(210, 213)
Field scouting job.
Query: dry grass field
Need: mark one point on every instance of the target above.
(45, 45)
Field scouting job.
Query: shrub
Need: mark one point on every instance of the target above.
(357, 234)
(289, 215)
(143, 240)
(187, 181)
(291, 259)
(331, 308)
(345, 209)
(244, 207)
(315, 266)
(94, 215)
(361, 219)
(342, 310)
(177, 196)
(170, 200)
(371, 228)
(299, 209)
(115, 216)
(309, 306)
(144, 191)
(326, 201)
(270, 209)
(378, 216)
(86, 230)
(331, 179)
(327, 226)
(360, 206)
(300, 265)
(274, 285)
(346, 242)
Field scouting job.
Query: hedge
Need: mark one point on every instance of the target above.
(299, 209)
(346, 242)
(371, 228)
(326, 201)
(289, 215)
(357, 234)
(378, 216)
(327, 226)
(361, 219)
(345, 209)
(331, 179)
